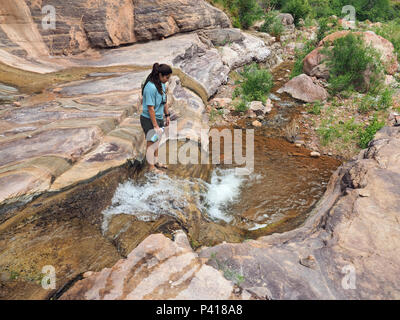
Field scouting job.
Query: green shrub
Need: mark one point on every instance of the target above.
(323, 28)
(272, 24)
(298, 8)
(248, 12)
(241, 106)
(321, 8)
(243, 13)
(367, 134)
(257, 84)
(349, 60)
(315, 108)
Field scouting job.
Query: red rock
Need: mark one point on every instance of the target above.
(385, 47)
(303, 88)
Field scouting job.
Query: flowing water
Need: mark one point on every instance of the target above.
(277, 196)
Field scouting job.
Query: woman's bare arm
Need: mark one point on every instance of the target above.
(153, 116)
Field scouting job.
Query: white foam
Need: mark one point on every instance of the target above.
(223, 190)
(162, 195)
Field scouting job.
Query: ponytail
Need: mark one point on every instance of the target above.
(154, 77)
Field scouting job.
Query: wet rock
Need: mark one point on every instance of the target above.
(157, 269)
(349, 246)
(303, 88)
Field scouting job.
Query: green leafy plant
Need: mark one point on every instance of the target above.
(272, 24)
(298, 8)
(353, 65)
(241, 106)
(315, 108)
(257, 83)
(366, 135)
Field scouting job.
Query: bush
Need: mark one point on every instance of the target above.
(248, 12)
(241, 106)
(242, 12)
(367, 134)
(298, 8)
(349, 61)
(257, 84)
(272, 24)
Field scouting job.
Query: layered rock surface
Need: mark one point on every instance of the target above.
(157, 269)
(83, 24)
(66, 149)
(347, 249)
(92, 125)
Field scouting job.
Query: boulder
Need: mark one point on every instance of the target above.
(157, 269)
(251, 48)
(220, 37)
(303, 88)
(349, 247)
(286, 19)
(383, 46)
(312, 60)
(256, 106)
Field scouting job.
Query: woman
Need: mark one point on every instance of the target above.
(154, 108)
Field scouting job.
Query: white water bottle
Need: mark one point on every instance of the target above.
(156, 137)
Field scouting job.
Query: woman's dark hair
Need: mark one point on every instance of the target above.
(154, 77)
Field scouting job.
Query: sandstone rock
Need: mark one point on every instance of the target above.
(347, 237)
(286, 18)
(83, 24)
(315, 154)
(385, 47)
(157, 269)
(312, 60)
(243, 52)
(320, 71)
(256, 124)
(256, 106)
(268, 106)
(221, 37)
(303, 88)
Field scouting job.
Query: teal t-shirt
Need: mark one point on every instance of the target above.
(151, 97)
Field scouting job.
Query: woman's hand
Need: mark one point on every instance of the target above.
(167, 122)
(158, 130)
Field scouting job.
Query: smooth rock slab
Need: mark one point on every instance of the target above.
(349, 247)
(157, 269)
(70, 143)
(127, 82)
(243, 52)
(23, 184)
